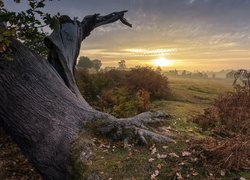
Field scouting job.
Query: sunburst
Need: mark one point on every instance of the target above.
(162, 62)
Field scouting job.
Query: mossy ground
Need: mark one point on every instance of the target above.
(113, 161)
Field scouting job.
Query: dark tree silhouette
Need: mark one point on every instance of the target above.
(84, 62)
(97, 64)
(122, 65)
(43, 111)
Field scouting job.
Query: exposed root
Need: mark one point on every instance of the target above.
(135, 129)
(154, 136)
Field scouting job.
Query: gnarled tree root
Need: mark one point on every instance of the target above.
(135, 128)
(129, 130)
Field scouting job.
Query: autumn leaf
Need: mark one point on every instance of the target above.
(151, 160)
(186, 153)
(155, 174)
(173, 155)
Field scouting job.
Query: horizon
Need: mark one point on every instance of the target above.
(181, 34)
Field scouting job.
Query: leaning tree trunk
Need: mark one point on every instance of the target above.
(42, 110)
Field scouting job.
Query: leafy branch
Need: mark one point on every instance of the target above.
(26, 25)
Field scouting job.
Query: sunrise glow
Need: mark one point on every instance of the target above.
(162, 62)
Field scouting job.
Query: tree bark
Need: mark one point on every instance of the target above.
(43, 111)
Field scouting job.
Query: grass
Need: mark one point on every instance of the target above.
(120, 163)
(201, 91)
(117, 162)
(189, 98)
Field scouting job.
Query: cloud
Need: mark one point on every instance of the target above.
(191, 1)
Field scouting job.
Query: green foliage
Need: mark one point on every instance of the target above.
(121, 102)
(5, 42)
(114, 91)
(27, 25)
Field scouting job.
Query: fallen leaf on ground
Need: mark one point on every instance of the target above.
(179, 176)
(222, 172)
(186, 153)
(155, 174)
(104, 146)
(173, 155)
(195, 173)
(182, 164)
(161, 156)
(151, 160)
(153, 151)
(164, 147)
(159, 166)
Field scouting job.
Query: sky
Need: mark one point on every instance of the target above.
(187, 34)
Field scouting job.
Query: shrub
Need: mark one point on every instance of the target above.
(123, 93)
(150, 80)
(120, 102)
(230, 113)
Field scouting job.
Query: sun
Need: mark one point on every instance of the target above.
(162, 62)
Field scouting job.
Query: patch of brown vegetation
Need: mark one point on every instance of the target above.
(229, 117)
(231, 154)
(229, 114)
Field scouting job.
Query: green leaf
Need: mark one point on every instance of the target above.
(40, 5)
(54, 23)
(32, 4)
(39, 12)
(1, 4)
(8, 57)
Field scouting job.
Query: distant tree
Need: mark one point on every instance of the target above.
(96, 64)
(85, 63)
(184, 73)
(122, 65)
